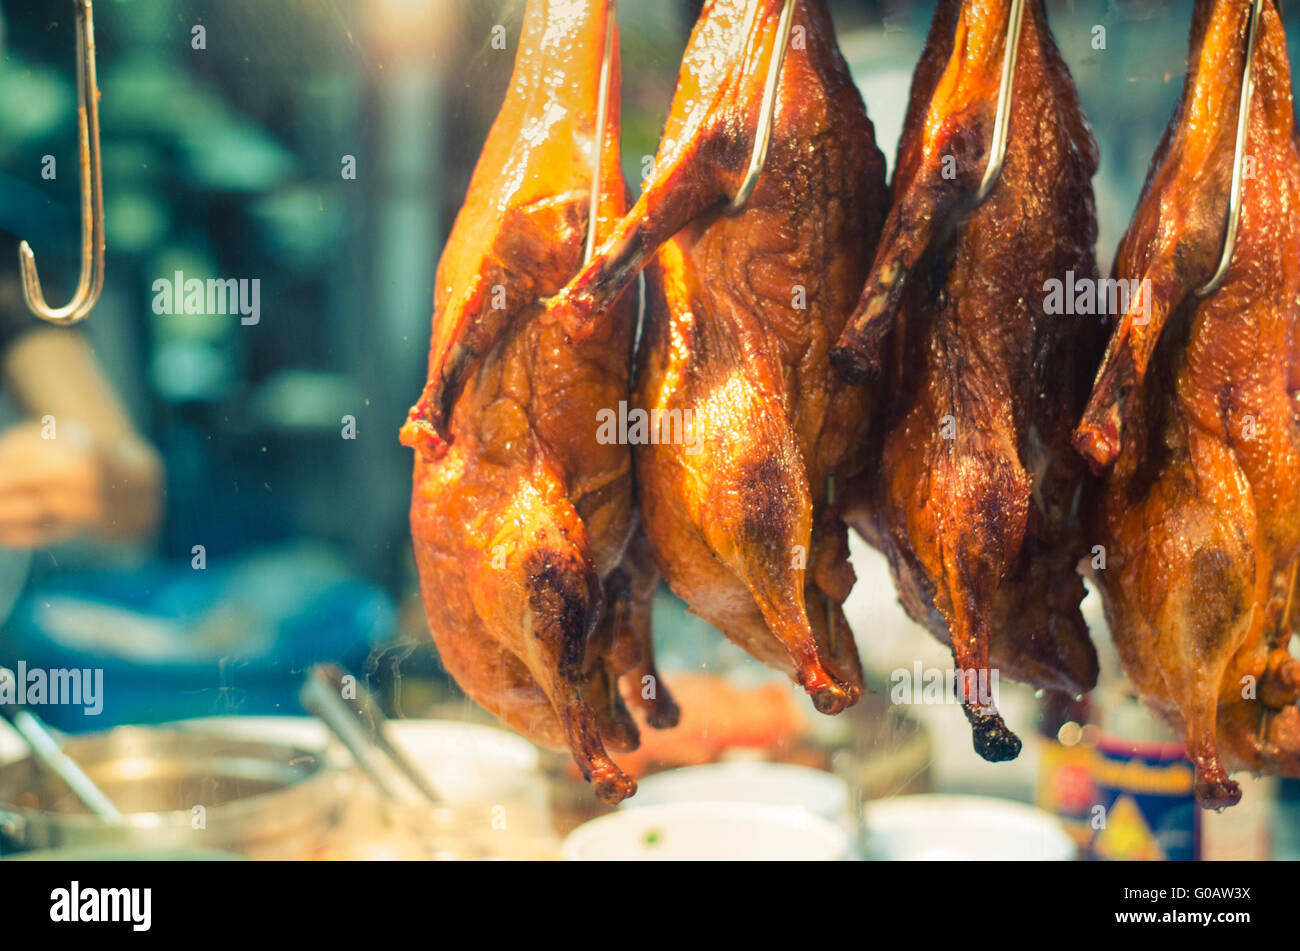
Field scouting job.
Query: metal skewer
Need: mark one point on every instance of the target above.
(46, 749)
(359, 725)
(1290, 598)
(830, 605)
(91, 281)
(1002, 121)
(763, 136)
(1266, 713)
(1239, 156)
(602, 109)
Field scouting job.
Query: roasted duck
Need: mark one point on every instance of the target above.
(742, 309)
(971, 484)
(1196, 412)
(520, 516)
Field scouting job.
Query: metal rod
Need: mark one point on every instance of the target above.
(91, 281)
(46, 749)
(322, 700)
(602, 109)
(830, 605)
(48, 752)
(1002, 121)
(359, 724)
(1283, 637)
(763, 136)
(1290, 602)
(1239, 156)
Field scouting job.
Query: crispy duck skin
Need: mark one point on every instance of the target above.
(971, 484)
(742, 308)
(519, 516)
(1195, 410)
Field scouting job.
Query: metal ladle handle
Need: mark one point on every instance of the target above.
(321, 695)
(46, 749)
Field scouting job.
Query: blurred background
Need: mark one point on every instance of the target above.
(323, 147)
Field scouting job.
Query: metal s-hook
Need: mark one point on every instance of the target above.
(763, 135)
(1239, 155)
(602, 110)
(91, 281)
(826, 598)
(1002, 121)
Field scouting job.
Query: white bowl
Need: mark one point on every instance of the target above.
(774, 784)
(963, 828)
(708, 831)
(466, 762)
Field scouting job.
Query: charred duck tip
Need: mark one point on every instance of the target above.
(992, 739)
(834, 698)
(614, 788)
(1217, 794)
(852, 365)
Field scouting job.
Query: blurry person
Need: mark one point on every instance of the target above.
(73, 465)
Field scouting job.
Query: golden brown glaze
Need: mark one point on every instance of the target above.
(742, 309)
(972, 483)
(1196, 407)
(520, 516)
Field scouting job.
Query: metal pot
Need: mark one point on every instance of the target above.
(178, 789)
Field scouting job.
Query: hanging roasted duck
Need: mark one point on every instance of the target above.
(742, 309)
(520, 516)
(972, 483)
(1196, 414)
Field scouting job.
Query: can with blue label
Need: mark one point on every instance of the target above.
(1145, 806)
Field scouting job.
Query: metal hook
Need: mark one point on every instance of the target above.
(1239, 157)
(602, 109)
(763, 136)
(826, 598)
(1284, 627)
(1290, 597)
(91, 281)
(1002, 121)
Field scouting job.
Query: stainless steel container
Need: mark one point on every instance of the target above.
(178, 789)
